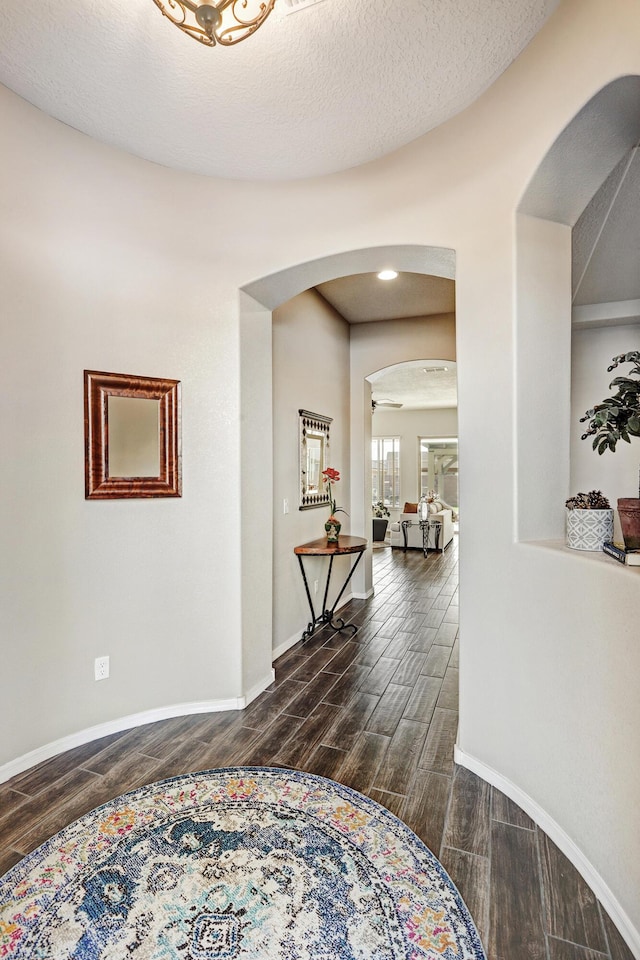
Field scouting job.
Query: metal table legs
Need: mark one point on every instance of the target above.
(326, 617)
(425, 526)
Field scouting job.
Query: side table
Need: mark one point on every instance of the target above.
(425, 526)
(320, 548)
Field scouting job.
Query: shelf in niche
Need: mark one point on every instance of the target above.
(589, 556)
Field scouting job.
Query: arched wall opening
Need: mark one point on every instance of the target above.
(425, 385)
(262, 565)
(591, 697)
(578, 163)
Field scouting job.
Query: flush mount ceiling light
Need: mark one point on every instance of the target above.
(225, 22)
(387, 275)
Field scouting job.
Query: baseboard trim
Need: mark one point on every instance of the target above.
(259, 688)
(562, 840)
(49, 750)
(363, 596)
(286, 645)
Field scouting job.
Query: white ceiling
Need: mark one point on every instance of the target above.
(417, 385)
(326, 88)
(361, 298)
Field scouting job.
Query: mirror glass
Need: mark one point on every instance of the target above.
(134, 437)
(315, 465)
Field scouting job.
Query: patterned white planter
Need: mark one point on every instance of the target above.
(589, 529)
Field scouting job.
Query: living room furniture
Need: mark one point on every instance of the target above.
(428, 527)
(321, 548)
(407, 533)
(380, 525)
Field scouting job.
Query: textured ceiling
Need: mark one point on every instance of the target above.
(326, 88)
(417, 384)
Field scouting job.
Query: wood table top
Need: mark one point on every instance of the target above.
(320, 547)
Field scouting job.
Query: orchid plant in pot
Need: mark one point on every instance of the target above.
(333, 525)
(618, 418)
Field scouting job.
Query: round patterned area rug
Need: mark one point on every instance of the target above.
(247, 862)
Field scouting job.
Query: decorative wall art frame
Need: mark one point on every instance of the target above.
(314, 457)
(164, 477)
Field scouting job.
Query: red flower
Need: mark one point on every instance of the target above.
(331, 475)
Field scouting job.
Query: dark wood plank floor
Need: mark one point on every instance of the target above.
(377, 711)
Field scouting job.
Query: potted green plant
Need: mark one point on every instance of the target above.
(618, 418)
(589, 521)
(380, 520)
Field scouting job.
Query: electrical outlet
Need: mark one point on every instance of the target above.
(101, 668)
(315, 586)
(285, 506)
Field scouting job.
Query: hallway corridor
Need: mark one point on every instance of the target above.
(378, 712)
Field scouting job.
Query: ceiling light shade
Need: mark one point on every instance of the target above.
(387, 275)
(225, 22)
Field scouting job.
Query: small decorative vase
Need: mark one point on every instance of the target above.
(589, 529)
(629, 513)
(332, 526)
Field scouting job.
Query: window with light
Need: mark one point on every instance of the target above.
(385, 470)
(438, 459)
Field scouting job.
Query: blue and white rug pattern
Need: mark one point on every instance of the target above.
(246, 862)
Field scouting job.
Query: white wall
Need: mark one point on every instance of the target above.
(542, 359)
(310, 372)
(616, 474)
(111, 263)
(91, 279)
(409, 425)
(256, 485)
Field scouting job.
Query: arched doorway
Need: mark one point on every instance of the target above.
(414, 408)
(257, 302)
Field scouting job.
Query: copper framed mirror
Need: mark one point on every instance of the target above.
(132, 436)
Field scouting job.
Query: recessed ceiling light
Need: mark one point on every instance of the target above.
(387, 275)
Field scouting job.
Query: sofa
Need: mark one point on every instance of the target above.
(440, 527)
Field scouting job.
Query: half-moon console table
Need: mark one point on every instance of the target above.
(320, 548)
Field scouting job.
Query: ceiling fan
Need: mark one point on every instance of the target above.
(391, 404)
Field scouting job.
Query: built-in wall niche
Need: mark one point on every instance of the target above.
(132, 436)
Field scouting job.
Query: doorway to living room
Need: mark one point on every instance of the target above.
(414, 453)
